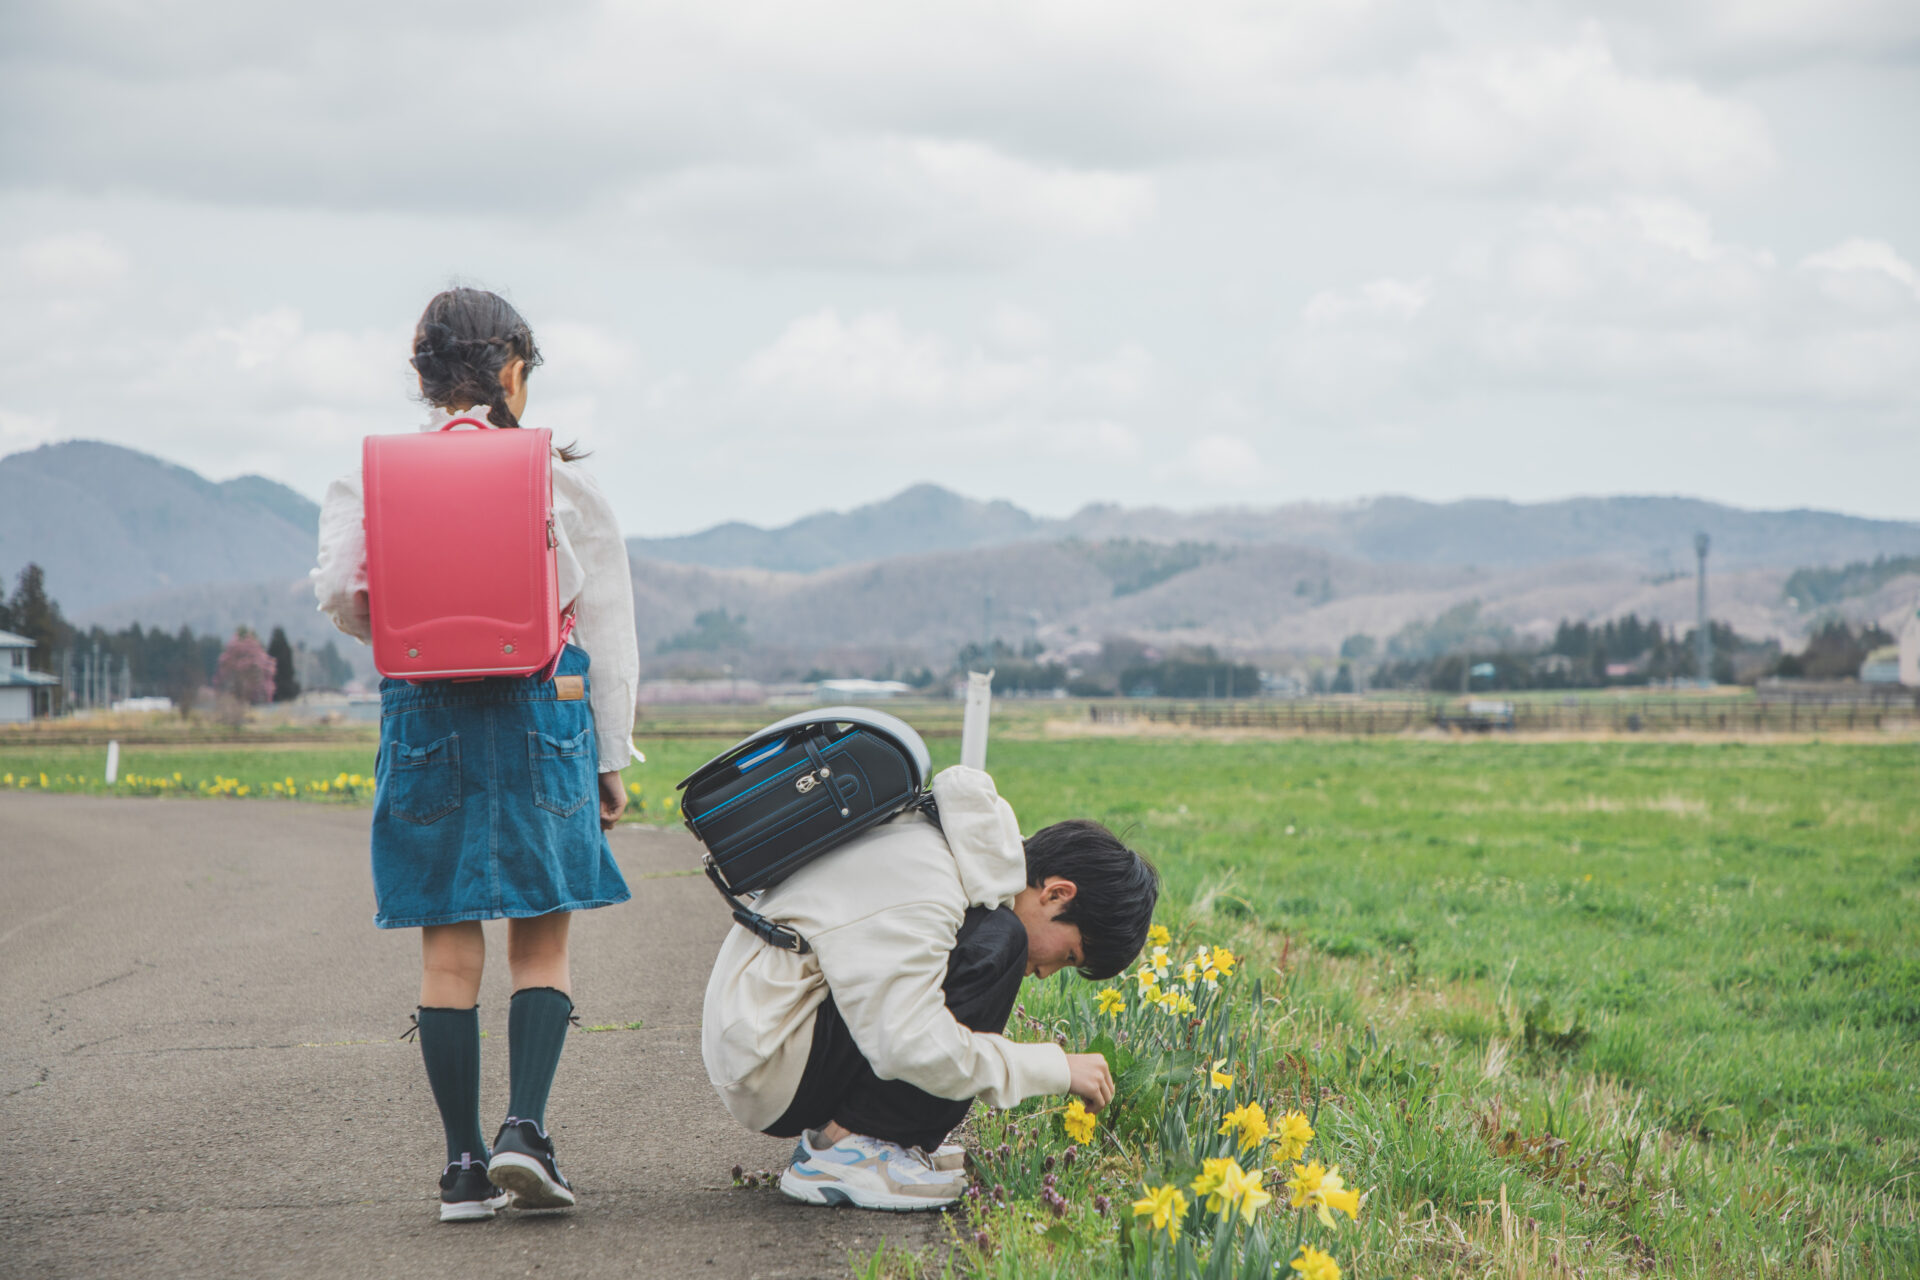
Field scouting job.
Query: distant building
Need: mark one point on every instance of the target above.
(1882, 666)
(20, 697)
(860, 690)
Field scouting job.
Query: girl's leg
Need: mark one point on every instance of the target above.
(452, 956)
(537, 1019)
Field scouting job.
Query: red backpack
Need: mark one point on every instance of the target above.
(462, 579)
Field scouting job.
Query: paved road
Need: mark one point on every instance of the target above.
(201, 1072)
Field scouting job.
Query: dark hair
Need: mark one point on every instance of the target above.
(1117, 889)
(464, 339)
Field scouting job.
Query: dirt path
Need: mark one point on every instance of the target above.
(201, 1072)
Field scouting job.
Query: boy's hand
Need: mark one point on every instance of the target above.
(1090, 1080)
(613, 800)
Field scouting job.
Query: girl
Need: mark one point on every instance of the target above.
(469, 824)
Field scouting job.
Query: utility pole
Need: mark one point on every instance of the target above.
(1703, 638)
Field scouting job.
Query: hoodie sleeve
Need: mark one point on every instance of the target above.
(340, 575)
(887, 973)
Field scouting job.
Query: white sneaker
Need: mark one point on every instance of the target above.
(949, 1157)
(868, 1174)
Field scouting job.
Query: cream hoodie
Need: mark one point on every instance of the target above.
(881, 913)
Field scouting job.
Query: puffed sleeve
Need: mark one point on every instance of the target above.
(340, 576)
(589, 535)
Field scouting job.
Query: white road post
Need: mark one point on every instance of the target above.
(973, 728)
(113, 762)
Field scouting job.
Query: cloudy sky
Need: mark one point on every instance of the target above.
(787, 256)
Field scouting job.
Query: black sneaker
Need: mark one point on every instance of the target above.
(466, 1193)
(523, 1163)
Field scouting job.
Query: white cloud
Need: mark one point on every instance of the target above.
(1561, 112)
(1862, 271)
(74, 260)
(22, 431)
(872, 363)
(1348, 231)
(1636, 299)
(1222, 462)
(890, 202)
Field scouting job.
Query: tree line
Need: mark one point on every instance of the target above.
(155, 662)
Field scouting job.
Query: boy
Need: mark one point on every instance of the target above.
(871, 1047)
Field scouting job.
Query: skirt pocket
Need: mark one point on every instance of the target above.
(563, 771)
(425, 781)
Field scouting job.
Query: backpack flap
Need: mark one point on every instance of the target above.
(776, 800)
(462, 579)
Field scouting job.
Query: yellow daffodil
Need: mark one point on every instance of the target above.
(1157, 936)
(1322, 1190)
(1177, 1003)
(1079, 1121)
(1207, 1186)
(1221, 1079)
(1165, 1206)
(1149, 984)
(1238, 1187)
(1224, 960)
(1250, 1121)
(1315, 1265)
(1291, 1137)
(1110, 1000)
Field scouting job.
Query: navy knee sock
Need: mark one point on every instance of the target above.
(536, 1032)
(450, 1046)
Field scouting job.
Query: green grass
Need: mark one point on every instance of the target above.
(1644, 1007)
(1647, 1008)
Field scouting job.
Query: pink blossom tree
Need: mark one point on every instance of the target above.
(246, 670)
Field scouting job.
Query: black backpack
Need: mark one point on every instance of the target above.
(773, 802)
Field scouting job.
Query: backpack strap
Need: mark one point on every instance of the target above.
(774, 935)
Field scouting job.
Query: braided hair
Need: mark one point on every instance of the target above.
(464, 339)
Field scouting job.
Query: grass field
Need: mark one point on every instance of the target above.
(1602, 1009)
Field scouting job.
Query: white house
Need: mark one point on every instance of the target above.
(19, 686)
(1882, 666)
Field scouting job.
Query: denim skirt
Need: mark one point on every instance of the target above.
(487, 802)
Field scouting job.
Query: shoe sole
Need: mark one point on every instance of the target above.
(531, 1187)
(843, 1197)
(469, 1210)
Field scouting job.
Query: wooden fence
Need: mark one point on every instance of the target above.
(1533, 715)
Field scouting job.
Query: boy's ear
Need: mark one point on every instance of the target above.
(1058, 890)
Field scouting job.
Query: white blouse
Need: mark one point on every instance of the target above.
(593, 571)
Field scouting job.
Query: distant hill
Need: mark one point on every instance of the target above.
(126, 537)
(1651, 534)
(109, 524)
(923, 518)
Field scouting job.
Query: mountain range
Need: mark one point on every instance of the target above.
(1650, 533)
(128, 537)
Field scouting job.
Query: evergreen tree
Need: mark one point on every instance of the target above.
(34, 614)
(336, 669)
(286, 687)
